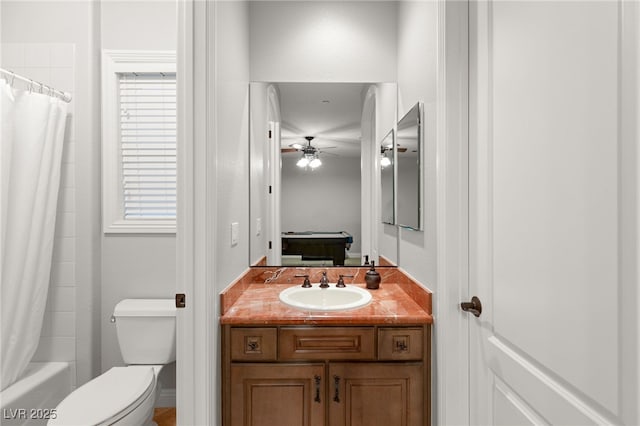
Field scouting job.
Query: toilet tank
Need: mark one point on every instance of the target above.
(146, 330)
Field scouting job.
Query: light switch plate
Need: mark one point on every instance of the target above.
(235, 232)
(258, 227)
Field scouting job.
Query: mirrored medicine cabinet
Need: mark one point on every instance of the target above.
(313, 153)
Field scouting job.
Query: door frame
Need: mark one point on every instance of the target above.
(274, 251)
(196, 374)
(195, 371)
(451, 325)
(369, 177)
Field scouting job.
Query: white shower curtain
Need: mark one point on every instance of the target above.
(30, 160)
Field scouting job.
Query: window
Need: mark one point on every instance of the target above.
(139, 142)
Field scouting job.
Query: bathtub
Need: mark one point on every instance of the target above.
(32, 399)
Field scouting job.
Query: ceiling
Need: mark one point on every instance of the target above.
(329, 111)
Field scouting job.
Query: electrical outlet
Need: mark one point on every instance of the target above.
(258, 227)
(235, 232)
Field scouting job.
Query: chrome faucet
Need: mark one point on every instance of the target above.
(324, 281)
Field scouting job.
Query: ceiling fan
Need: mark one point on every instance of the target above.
(310, 157)
(389, 148)
(306, 149)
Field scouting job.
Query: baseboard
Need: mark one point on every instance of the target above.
(167, 398)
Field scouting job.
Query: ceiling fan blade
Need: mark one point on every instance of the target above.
(401, 149)
(287, 150)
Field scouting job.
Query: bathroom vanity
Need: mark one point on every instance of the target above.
(288, 367)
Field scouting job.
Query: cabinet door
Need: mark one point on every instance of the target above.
(376, 394)
(277, 394)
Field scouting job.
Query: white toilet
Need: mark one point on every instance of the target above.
(126, 395)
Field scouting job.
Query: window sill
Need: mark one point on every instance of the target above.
(141, 227)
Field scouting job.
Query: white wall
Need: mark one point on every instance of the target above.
(232, 139)
(230, 168)
(325, 199)
(136, 266)
(55, 42)
(323, 41)
(418, 35)
(417, 55)
(149, 24)
(386, 119)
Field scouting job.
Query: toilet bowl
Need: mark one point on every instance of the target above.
(127, 395)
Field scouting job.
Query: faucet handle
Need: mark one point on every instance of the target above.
(341, 283)
(306, 283)
(324, 281)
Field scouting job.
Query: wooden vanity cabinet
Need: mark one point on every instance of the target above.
(326, 376)
(277, 394)
(376, 394)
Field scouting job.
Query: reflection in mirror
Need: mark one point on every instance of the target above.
(307, 161)
(409, 148)
(387, 165)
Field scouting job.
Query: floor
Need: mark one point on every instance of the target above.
(165, 416)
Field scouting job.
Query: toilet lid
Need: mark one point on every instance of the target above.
(115, 392)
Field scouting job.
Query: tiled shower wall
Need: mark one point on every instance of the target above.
(53, 65)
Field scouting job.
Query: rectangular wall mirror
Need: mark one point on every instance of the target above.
(409, 147)
(312, 158)
(387, 172)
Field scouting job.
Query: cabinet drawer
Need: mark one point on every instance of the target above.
(326, 343)
(254, 344)
(400, 344)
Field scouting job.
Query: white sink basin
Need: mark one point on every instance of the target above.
(325, 299)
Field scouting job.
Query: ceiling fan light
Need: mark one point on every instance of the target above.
(385, 161)
(303, 162)
(315, 163)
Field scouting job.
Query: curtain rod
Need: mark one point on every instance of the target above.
(11, 76)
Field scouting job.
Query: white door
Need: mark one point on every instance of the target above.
(554, 213)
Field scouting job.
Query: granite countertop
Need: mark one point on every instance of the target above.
(402, 302)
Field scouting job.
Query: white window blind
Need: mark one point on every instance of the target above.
(148, 144)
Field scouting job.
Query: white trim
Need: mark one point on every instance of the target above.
(451, 325)
(629, 204)
(370, 176)
(113, 62)
(206, 348)
(274, 224)
(166, 398)
(274, 254)
(188, 396)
